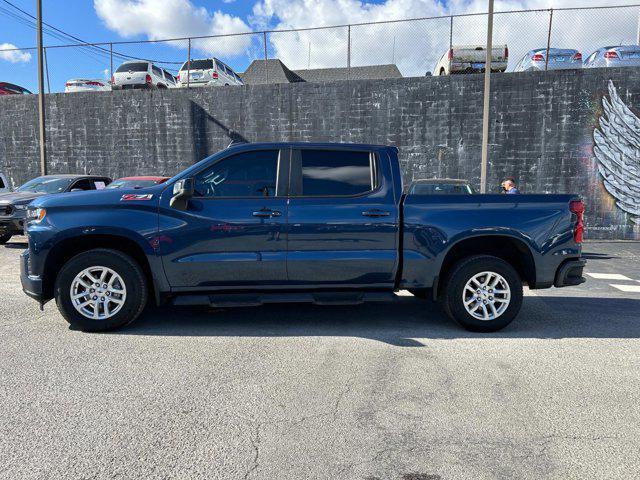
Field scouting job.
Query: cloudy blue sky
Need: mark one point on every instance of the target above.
(413, 46)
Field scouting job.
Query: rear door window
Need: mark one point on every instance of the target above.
(336, 172)
(156, 70)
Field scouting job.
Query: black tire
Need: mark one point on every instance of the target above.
(461, 273)
(125, 266)
(5, 238)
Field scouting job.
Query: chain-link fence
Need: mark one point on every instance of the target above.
(415, 46)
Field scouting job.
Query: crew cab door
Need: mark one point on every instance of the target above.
(343, 219)
(232, 232)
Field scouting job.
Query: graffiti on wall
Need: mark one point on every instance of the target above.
(617, 151)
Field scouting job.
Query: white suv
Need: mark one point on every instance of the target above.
(141, 74)
(207, 71)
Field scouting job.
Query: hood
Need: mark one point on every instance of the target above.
(18, 198)
(106, 197)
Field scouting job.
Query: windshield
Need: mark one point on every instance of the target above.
(440, 189)
(132, 184)
(46, 185)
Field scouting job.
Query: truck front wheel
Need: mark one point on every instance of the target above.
(100, 290)
(483, 293)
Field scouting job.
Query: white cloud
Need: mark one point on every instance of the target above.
(158, 20)
(13, 56)
(416, 46)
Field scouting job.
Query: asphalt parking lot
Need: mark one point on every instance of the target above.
(381, 391)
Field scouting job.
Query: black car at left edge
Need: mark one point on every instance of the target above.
(13, 205)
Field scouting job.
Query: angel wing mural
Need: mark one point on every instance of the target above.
(617, 150)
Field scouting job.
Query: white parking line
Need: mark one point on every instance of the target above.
(627, 288)
(608, 276)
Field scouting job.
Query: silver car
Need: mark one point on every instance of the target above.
(559, 59)
(617, 56)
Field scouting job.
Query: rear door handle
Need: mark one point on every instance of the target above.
(375, 213)
(266, 213)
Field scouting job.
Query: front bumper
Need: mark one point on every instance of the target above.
(570, 273)
(14, 226)
(31, 284)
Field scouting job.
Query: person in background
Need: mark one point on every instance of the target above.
(509, 186)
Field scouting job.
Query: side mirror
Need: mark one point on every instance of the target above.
(182, 193)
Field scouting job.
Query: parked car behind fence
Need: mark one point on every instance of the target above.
(207, 71)
(86, 85)
(559, 59)
(11, 89)
(141, 74)
(4, 184)
(616, 56)
(471, 59)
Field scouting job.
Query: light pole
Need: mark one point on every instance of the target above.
(485, 109)
(43, 148)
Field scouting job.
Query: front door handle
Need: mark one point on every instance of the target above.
(375, 213)
(266, 213)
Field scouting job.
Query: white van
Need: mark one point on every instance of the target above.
(207, 71)
(5, 186)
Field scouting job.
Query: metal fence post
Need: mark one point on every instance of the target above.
(546, 60)
(487, 97)
(266, 57)
(46, 67)
(110, 61)
(348, 51)
(41, 109)
(451, 33)
(188, 63)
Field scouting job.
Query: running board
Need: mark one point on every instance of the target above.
(253, 300)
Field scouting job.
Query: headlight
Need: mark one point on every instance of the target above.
(36, 215)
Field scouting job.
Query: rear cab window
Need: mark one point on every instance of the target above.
(330, 173)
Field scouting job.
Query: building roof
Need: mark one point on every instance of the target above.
(369, 72)
(274, 71)
(267, 72)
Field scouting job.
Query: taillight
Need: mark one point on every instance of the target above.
(538, 57)
(577, 208)
(95, 84)
(610, 54)
(68, 84)
(113, 80)
(214, 75)
(577, 56)
(147, 79)
(178, 77)
(506, 52)
(450, 56)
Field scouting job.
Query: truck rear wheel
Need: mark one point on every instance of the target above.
(483, 293)
(100, 290)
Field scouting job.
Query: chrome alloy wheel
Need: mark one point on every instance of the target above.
(98, 293)
(486, 296)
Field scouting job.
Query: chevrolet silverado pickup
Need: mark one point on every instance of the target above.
(296, 222)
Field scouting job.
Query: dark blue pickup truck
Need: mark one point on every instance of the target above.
(296, 222)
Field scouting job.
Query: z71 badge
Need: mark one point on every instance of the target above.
(134, 197)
